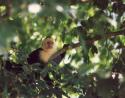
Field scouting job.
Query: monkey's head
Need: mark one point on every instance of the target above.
(48, 43)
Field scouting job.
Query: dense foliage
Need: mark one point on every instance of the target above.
(95, 69)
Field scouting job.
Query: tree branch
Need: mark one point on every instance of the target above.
(89, 41)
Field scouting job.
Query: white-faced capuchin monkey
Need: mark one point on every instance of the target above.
(43, 54)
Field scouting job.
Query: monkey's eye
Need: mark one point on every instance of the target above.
(49, 42)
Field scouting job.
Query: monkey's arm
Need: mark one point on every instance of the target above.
(56, 61)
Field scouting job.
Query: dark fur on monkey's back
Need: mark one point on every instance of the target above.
(34, 56)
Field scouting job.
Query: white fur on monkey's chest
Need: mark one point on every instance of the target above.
(45, 55)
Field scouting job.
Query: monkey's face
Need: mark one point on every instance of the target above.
(48, 43)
